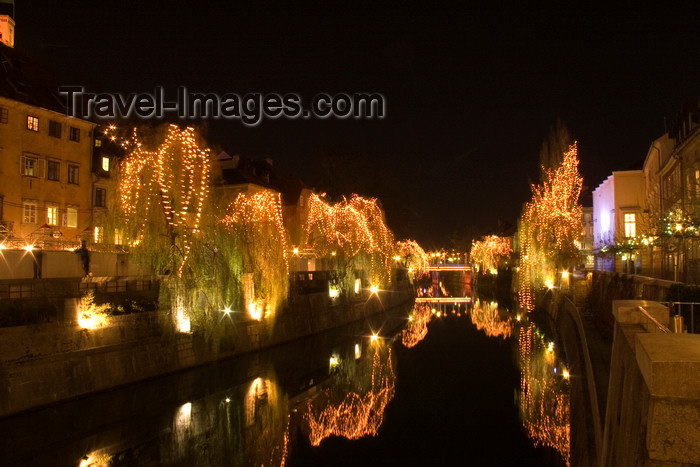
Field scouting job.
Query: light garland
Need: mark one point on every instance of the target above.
(550, 225)
(361, 412)
(417, 260)
(489, 251)
(352, 226)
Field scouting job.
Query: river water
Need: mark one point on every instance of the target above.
(468, 385)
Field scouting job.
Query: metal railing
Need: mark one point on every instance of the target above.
(654, 320)
(680, 308)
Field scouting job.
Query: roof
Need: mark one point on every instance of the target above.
(25, 79)
(243, 170)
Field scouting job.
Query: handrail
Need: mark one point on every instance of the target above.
(653, 320)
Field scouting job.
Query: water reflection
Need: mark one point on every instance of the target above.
(543, 398)
(544, 391)
(417, 327)
(487, 317)
(352, 405)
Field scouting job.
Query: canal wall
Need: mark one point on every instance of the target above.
(47, 363)
(653, 408)
(585, 422)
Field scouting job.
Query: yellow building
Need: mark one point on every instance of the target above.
(46, 188)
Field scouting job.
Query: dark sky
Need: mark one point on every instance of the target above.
(470, 92)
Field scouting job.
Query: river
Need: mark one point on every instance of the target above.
(469, 385)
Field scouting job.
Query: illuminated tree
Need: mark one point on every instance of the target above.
(489, 251)
(166, 218)
(355, 228)
(550, 225)
(554, 148)
(256, 221)
(417, 260)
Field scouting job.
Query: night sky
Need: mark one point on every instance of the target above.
(470, 92)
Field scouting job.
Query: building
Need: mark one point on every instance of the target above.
(45, 158)
(678, 187)
(619, 218)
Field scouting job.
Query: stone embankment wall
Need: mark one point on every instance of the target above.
(48, 363)
(586, 426)
(653, 408)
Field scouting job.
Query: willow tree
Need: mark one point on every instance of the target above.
(551, 224)
(489, 251)
(256, 222)
(417, 260)
(355, 233)
(166, 217)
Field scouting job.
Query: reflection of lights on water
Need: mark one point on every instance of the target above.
(360, 413)
(565, 373)
(417, 328)
(358, 284)
(544, 397)
(358, 351)
(486, 317)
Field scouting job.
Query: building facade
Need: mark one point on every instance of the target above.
(619, 218)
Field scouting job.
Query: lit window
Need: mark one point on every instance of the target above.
(98, 143)
(32, 123)
(98, 234)
(73, 172)
(117, 237)
(29, 213)
(105, 164)
(52, 215)
(30, 166)
(630, 225)
(74, 134)
(71, 217)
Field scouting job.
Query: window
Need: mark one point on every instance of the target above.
(117, 237)
(105, 164)
(98, 143)
(73, 172)
(74, 134)
(53, 170)
(30, 166)
(630, 225)
(54, 129)
(100, 197)
(32, 123)
(52, 215)
(29, 212)
(98, 234)
(71, 217)
(3, 115)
